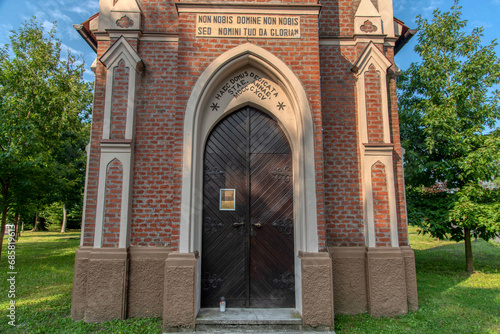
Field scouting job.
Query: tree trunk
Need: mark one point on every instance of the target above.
(16, 226)
(469, 263)
(36, 223)
(4, 222)
(65, 219)
(39, 225)
(5, 193)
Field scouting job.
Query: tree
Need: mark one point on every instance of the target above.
(448, 113)
(43, 98)
(71, 159)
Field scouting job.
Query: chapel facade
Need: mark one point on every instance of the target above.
(248, 150)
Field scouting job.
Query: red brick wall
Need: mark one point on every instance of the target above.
(374, 121)
(112, 204)
(163, 88)
(337, 17)
(119, 101)
(381, 212)
(343, 198)
(158, 149)
(158, 16)
(301, 55)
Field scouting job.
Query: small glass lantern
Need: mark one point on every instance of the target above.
(222, 305)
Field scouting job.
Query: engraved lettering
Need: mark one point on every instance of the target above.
(247, 81)
(269, 20)
(247, 26)
(204, 19)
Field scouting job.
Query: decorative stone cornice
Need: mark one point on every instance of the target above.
(378, 149)
(122, 49)
(116, 145)
(371, 55)
(247, 8)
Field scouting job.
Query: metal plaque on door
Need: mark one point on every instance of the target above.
(227, 200)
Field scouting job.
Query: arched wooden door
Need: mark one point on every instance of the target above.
(247, 243)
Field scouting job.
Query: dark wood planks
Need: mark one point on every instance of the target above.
(250, 265)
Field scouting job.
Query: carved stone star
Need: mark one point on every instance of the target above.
(215, 106)
(281, 105)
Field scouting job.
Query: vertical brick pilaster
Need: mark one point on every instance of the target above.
(112, 204)
(381, 212)
(342, 163)
(119, 101)
(374, 121)
(94, 146)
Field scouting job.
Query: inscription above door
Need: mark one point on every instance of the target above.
(247, 26)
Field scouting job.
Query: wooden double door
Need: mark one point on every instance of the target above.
(247, 240)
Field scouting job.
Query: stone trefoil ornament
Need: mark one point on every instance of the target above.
(368, 27)
(125, 22)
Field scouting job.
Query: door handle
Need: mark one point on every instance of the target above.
(238, 224)
(257, 225)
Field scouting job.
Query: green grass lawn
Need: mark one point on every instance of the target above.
(44, 280)
(450, 300)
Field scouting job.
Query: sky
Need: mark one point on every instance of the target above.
(478, 13)
(13, 13)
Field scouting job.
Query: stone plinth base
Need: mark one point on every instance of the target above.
(317, 290)
(411, 278)
(386, 281)
(107, 278)
(79, 296)
(349, 279)
(381, 281)
(116, 283)
(146, 276)
(179, 294)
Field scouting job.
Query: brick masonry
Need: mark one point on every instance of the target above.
(173, 59)
(112, 204)
(119, 101)
(343, 198)
(172, 69)
(158, 150)
(381, 205)
(374, 106)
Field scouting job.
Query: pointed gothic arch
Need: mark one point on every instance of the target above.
(289, 107)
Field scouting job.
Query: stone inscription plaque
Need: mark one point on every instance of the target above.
(247, 26)
(247, 81)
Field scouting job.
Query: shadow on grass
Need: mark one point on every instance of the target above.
(43, 234)
(41, 238)
(450, 258)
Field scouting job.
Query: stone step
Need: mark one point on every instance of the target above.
(249, 316)
(255, 329)
(252, 320)
(248, 329)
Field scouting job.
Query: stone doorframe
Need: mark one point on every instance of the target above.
(296, 121)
